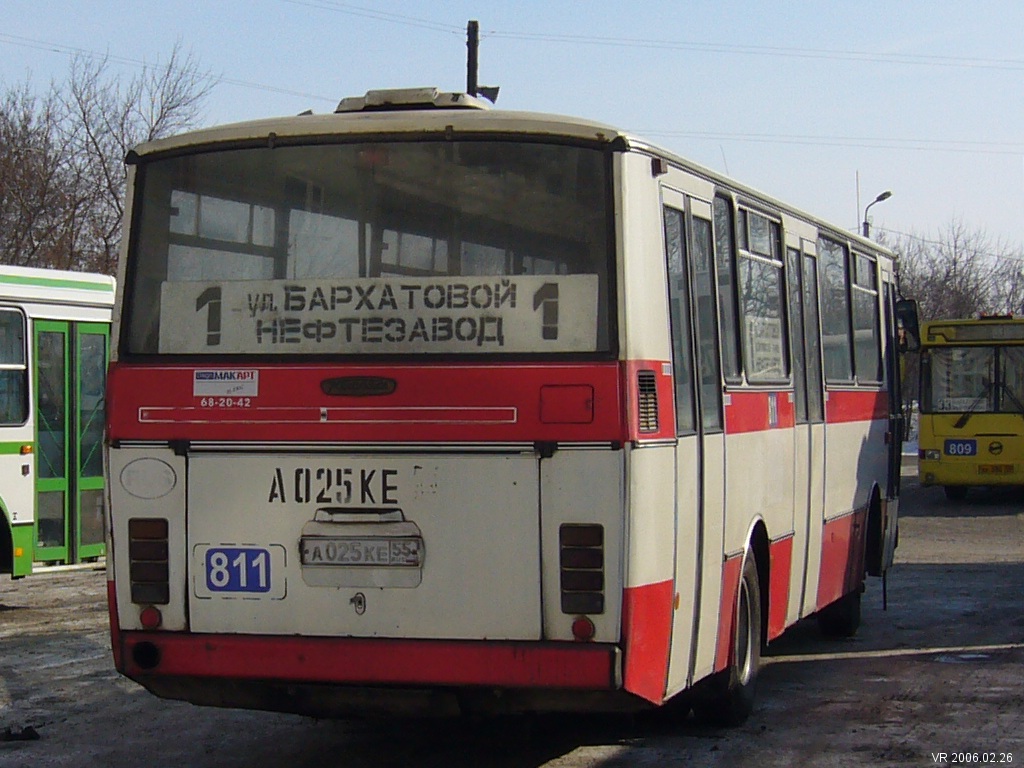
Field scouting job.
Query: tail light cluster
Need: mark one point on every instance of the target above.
(581, 567)
(647, 397)
(147, 554)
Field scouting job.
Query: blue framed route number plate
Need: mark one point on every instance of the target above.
(239, 571)
(960, 448)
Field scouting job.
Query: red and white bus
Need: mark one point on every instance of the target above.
(422, 406)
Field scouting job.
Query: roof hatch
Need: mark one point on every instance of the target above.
(409, 98)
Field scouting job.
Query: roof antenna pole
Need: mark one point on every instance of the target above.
(472, 56)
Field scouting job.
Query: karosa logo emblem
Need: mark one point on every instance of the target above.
(225, 375)
(232, 382)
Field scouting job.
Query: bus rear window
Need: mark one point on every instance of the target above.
(481, 247)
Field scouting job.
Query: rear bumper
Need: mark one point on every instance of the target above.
(148, 656)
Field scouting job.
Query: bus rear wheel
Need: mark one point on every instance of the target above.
(727, 698)
(955, 492)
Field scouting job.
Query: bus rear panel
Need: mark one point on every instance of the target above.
(367, 423)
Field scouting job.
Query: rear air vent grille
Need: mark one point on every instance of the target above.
(647, 397)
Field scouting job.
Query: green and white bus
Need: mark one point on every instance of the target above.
(54, 344)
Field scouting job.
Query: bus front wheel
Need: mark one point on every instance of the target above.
(727, 698)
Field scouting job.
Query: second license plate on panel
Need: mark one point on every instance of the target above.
(369, 551)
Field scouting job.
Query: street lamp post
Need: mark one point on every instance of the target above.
(866, 226)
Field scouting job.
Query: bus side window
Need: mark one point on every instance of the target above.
(679, 313)
(13, 369)
(797, 333)
(835, 315)
(725, 262)
(707, 333)
(867, 332)
(761, 303)
(909, 325)
(812, 338)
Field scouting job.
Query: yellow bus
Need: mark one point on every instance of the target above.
(971, 430)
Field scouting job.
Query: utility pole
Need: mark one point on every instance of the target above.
(472, 57)
(489, 92)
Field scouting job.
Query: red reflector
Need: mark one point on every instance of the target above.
(583, 628)
(150, 618)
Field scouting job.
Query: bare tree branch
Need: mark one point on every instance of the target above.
(62, 173)
(960, 274)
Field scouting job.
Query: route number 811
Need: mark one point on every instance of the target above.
(237, 569)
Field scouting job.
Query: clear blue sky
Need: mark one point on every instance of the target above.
(923, 97)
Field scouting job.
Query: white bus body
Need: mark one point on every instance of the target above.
(368, 464)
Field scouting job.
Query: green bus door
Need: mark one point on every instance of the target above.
(70, 365)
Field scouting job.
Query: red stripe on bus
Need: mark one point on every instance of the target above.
(646, 634)
(360, 661)
(406, 403)
(780, 573)
(753, 411)
(856, 405)
(758, 411)
(842, 557)
(731, 570)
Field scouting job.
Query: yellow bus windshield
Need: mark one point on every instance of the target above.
(973, 380)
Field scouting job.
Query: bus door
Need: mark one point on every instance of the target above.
(881, 561)
(69, 381)
(700, 451)
(815, 398)
(802, 275)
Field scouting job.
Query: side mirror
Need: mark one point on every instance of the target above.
(908, 328)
